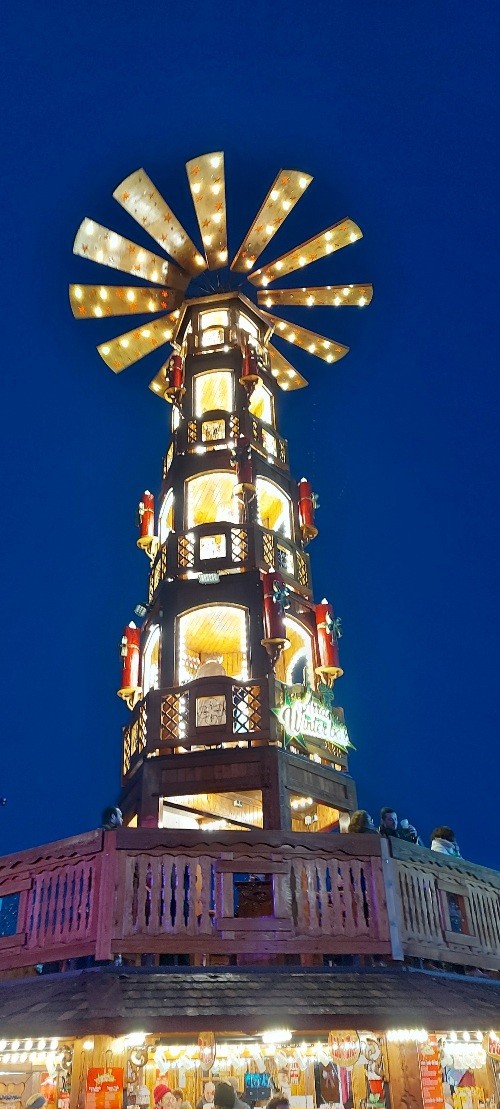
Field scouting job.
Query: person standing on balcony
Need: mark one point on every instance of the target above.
(360, 821)
(111, 818)
(443, 840)
(390, 827)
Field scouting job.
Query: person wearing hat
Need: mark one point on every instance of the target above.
(163, 1097)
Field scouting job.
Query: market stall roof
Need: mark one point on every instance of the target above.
(169, 1000)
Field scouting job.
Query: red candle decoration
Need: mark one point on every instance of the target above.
(328, 634)
(306, 510)
(130, 652)
(146, 519)
(175, 370)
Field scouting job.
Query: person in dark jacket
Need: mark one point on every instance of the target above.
(390, 827)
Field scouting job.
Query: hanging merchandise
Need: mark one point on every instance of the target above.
(207, 1049)
(344, 1048)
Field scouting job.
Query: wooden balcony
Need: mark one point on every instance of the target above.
(169, 719)
(223, 548)
(258, 895)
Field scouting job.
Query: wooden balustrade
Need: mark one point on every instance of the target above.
(253, 893)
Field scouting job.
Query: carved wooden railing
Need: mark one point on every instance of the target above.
(256, 894)
(169, 719)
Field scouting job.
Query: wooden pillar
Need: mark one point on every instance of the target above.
(404, 1076)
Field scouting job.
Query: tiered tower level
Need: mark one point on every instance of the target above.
(230, 677)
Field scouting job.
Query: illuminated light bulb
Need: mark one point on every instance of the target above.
(291, 373)
(326, 344)
(154, 275)
(103, 293)
(136, 1039)
(14, 1058)
(279, 265)
(466, 1036)
(336, 301)
(124, 342)
(23, 1057)
(286, 205)
(281, 326)
(215, 162)
(217, 217)
(453, 1037)
(88, 1045)
(311, 348)
(130, 295)
(197, 187)
(145, 333)
(33, 1057)
(302, 182)
(3, 1045)
(329, 249)
(302, 260)
(16, 1045)
(269, 303)
(275, 194)
(291, 337)
(216, 189)
(269, 229)
(330, 358)
(167, 334)
(345, 292)
(310, 300)
(352, 237)
(89, 230)
(207, 239)
(265, 281)
(99, 256)
(114, 240)
(41, 1045)
(156, 388)
(274, 372)
(328, 235)
(106, 349)
(248, 263)
(284, 385)
(479, 1036)
(176, 314)
(223, 255)
(362, 302)
(78, 292)
(97, 311)
(199, 260)
(53, 1043)
(141, 257)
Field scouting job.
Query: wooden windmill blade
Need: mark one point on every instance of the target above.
(319, 246)
(141, 199)
(95, 301)
(208, 190)
(285, 192)
(100, 244)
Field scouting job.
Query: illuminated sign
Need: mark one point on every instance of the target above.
(307, 717)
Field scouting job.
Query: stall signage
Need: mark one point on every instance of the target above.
(344, 1048)
(104, 1088)
(307, 717)
(430, 1074)
(492, 1046)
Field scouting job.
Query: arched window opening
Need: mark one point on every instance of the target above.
(246, 324)
(176, 418)
(212, 326)
(209, 499)
(151, 661)
(297, 661)
(274, 508)
(166, 516)
(212, 640)
(262, 404)
(213, 391)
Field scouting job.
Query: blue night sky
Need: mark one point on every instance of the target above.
(391, 107)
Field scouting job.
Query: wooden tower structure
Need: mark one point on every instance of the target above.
(230, 676)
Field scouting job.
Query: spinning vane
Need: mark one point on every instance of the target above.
(171, 278)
